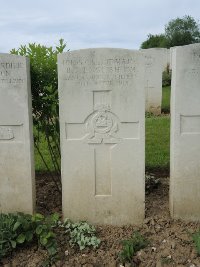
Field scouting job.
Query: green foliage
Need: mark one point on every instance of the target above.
(44, 85)
(43, 148)
(18, 229)
(42, 227)
(131, 246)
(166, 77)
(81, 234)
(10, 236)
(182, 31)
(166, 94)
(196, 240)
(157, 40)
(179, 31)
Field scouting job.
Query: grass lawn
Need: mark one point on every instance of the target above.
(158, 137)
(157, 143)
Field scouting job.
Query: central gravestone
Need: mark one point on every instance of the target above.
(102, 110)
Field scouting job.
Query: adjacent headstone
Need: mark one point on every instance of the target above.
(167, 60)
(156, 60)
(185, 133)
(171, 53)
(102, 106)
(17, 192)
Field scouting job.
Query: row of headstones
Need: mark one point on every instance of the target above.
(102, 124)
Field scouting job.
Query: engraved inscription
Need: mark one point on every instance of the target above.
(193, 73)
(11, 65)
(111, 71)
(6, 133)
(11, 80)
(102, 126)
(7, 74)
(4, 73)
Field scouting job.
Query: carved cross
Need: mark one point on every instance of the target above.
(103, 130)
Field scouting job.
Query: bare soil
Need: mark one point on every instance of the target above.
(169, 241)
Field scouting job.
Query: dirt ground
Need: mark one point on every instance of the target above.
(169, 241)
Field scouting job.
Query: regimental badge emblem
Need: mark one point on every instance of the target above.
(102, 126)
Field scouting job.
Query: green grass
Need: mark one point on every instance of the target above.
(166, 92)
(157, 143)
(158, 137)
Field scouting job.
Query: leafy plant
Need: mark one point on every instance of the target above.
(182, 31)
(44, 86)
(157, 40)
(166, 77)
(42, 227)
(81, 234)
(196, 240)
(18, 229)
(131, 246)
(179, 31)
(8, 237)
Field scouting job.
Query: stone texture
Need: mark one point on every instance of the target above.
(156, 60)
(171, 53)
(101, 94)
(185, 133)
(16, 142)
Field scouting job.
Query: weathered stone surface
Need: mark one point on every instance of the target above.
(185, 133)
(101, 94)
(16, 142)
(171, 52)
(156, 60)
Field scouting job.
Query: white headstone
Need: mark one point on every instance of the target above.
(167, 60)
(17, 189)
(156, 62)
(185, 133)
(101, 94)
(171, 53)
